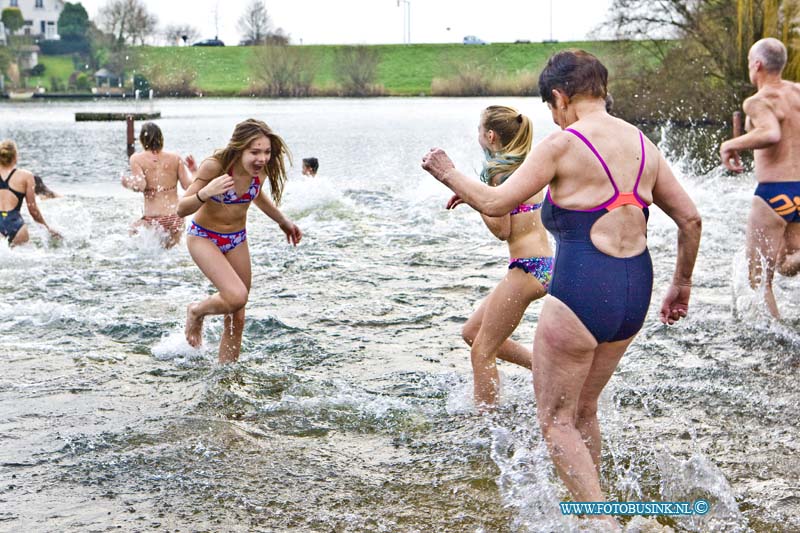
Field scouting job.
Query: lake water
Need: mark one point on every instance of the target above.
(350, 409)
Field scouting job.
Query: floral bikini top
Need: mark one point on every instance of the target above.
(230, 197)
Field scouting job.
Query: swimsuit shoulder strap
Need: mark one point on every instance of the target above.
(591, 147)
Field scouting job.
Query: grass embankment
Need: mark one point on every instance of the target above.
(58, 67)
(404, 70)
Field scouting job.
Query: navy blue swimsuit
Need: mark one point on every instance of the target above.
(11, 221)
(610, 295)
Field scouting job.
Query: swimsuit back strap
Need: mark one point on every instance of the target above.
(4, 182)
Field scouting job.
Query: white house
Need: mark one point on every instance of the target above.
(41, 16)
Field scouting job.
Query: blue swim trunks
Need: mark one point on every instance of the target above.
(783, 197)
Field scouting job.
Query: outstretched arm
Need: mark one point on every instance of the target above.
(533, 175)
(293, 233)
(764, 131)
(675, 202)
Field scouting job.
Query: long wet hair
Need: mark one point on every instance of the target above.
(573, 72)
(243, 136)
(151, 137)
(8, 152)
(515, 132)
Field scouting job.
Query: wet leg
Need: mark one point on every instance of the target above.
(230, 344)
(765, 231)
(232, 294)
(22, 236)
(789, 259)
(563, 355)
(501, 314)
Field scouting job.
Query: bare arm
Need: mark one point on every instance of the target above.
(533, 175)
(186, 171)
(499, 226)
(207, 183)
(33, 208)
(676, 203)
(293, 233)
(136, 181)
(764, 131)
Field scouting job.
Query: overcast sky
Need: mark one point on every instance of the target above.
(381, 21)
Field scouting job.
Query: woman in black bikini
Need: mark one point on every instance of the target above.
(16, 185)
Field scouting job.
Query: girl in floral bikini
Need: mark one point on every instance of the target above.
(156, 173)
(506, 137)
(225, 185)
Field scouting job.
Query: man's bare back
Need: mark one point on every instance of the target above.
(779, 103)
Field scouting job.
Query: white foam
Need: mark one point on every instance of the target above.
(174, 347)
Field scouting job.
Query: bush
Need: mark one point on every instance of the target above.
(64, 47)
(37, 70)
(140, 83)
(83, 82)
(356, 68)
(56, 85)
(471, 80)
(171, 79)
(281, 71)
(662, 94)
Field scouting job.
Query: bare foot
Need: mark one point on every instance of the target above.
(194, 326)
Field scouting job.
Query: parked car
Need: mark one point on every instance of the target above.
(209, 42)
(471, 39)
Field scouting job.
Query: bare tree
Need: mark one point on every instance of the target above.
(128, 20)
(176, 33)
(254, 23)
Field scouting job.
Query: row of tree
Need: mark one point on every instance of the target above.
(130, 22)
(701, 68)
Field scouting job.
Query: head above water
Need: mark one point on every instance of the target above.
(575, 73)
(8, 153)
(151, 137)
(510, 133)
(770, 53)
(251, 133)
(310, 166)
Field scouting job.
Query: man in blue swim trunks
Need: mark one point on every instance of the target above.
(773, 132)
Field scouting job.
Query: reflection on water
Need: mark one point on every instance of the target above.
(351, 408)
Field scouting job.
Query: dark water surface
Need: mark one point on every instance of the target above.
(351, 408)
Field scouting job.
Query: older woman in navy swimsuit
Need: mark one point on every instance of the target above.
(603, 175)
(217, 238)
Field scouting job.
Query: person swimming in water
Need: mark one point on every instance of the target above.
(506, 137)
(17, 184)
(225, 186)
(597, 209)
(310, 166)
(156, 173)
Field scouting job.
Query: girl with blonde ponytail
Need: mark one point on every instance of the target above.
(225, 185)
(506, 137)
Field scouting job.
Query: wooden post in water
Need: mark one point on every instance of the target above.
(737, 123)
(131, 140)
